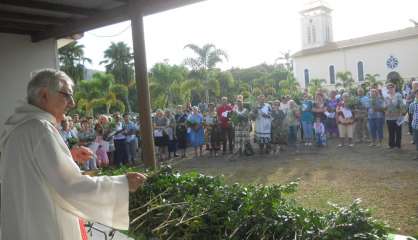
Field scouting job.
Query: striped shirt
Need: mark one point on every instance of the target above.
(413, 109)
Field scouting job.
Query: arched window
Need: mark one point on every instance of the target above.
(309, 35)
(306, 72)
(313, 34)
(328, 34)
(360, 71)
(332, 74)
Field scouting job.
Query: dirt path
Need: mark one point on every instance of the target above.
(386, 180)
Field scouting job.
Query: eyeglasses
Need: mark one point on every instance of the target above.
(68, 96)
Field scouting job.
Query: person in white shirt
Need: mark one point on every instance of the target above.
(43, 190)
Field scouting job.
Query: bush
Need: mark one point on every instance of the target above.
(172, 205)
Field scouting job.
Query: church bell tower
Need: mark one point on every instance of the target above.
(316, 24)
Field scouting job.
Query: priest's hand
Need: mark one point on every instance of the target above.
(135, 180)
(81, 154)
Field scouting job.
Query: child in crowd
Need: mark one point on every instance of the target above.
(319, 130)
(102, 159)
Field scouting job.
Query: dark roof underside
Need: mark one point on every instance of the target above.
(45, 19)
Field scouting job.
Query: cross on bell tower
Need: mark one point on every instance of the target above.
(316, 24)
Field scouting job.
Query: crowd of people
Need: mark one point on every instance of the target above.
(275, 125)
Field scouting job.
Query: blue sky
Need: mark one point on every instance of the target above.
(250, 31)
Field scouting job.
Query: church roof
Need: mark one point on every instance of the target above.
(406, 33)
(315, 5)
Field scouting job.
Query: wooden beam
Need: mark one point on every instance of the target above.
(15, 31)
(109, 17)
(31, 27)
(53, 7)
(155, 6)
(30, 18)
(97, 20)
(141, 78)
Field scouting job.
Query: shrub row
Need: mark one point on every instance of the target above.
(186, 206)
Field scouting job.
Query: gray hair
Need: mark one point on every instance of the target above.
(48, 78)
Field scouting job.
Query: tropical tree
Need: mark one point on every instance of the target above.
(72, 60)
(166, 85)
(290, 86)
(205, 61)
(100, 92)
(119, 62)
(315, 85)
(286, 59)
(346, 80)
(372, 80)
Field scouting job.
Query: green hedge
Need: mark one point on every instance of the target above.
(172, 205)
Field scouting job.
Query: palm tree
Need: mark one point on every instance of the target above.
(98, 92)
(286, 58)
(346, 80)
(315, 85)
(72, 60)
(165, 82)
(119, 62)
(371, 80)
(205, 61)
(290, 86)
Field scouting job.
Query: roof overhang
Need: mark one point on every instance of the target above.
(43, 19)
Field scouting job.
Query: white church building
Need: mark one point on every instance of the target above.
(322, 58)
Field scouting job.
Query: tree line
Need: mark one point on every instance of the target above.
(196, 80)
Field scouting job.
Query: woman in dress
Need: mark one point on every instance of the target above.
(160, 134)
(242, 125)
(212, 133)
(197, 136)
(278, 129)
(331, 126)
(171, 132)
(262, 115)
(345, 120)
(292, 120)
(181, 130)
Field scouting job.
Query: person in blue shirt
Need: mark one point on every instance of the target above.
(376, 117)
(307, 119)
(131, 140)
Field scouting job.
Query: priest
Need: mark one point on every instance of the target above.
(43, 193)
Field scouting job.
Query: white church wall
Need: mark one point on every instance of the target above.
(375, 56)
(374, 59)
(318, 66)
(18, 59)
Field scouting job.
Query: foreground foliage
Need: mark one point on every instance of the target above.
(172, 205)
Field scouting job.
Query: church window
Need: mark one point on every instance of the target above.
(309, 35)
(332, 74)
(360, 71)
(327, 34)
(306, 77)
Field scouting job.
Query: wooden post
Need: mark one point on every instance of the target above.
(141, 78)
